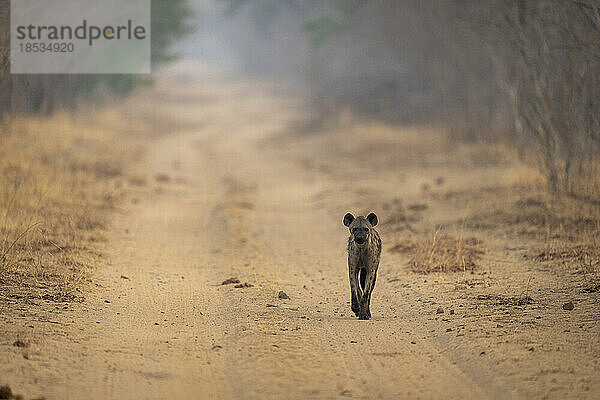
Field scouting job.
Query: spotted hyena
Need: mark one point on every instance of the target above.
(364, 250)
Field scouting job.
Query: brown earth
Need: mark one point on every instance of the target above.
(236, 194)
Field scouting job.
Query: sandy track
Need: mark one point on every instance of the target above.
(247, 212)
(160, 325)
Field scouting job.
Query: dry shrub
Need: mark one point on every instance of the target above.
(59, 180)
(439, 252)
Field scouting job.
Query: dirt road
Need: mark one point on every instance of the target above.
(230, 198)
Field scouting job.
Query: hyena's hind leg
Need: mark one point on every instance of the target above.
(355, 291)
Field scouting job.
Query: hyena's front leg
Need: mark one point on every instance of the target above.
(354, 289)
(365, 299)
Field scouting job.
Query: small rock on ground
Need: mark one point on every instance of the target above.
(282, 295)
(568, 306)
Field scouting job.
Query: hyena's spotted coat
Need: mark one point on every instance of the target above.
(364, 251)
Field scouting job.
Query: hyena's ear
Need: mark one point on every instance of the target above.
(372, 218)
(348, 218)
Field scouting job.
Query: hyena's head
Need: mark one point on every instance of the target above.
(360, 227)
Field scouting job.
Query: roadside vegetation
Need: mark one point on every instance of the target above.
(59, 183)
(64, 155)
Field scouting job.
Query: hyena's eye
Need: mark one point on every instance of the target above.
(354, 229)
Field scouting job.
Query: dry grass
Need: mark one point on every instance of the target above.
(59, 181)
(555, 230)
(571, 239)
(438, 251)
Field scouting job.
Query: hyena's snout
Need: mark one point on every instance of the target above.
(360, 235)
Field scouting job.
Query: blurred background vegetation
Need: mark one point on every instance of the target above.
(524, 73)
(521, 73)
(47, 93)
